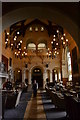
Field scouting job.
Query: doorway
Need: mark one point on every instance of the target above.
(38, 76)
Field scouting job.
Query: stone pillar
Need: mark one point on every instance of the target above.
(51, 80)
(23, 75)
(64, 67)
(29, 81)
(59, 75)
(44, 78)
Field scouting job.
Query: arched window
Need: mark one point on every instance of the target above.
(69, 66)
(41, 46)
(31, 46)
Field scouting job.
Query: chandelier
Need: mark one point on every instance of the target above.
(58, 40)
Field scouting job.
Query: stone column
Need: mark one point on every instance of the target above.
(64, 67)
(29, 81)
(51, 76)
(44, 78)
(59, 75)
(23, 75)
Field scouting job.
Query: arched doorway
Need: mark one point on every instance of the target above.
(38, 76)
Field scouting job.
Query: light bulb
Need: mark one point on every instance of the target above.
(50, 52)
(64, 34)
(20, 41)
(19, 48)
(51, 42)
(63, 43)
(56, 43)
(55, 48)
(24, 47)
(62, 38)
(14, 39)
(15, 53)
(48, 48)
(57, 53)
(7, 39)
(36, 29)
(54, 35)
(57, 31)
(66, 40)
(12, 44)
(54, 39)
(42, 28)
(47, 53)
(30, 29)
(18, 51)
(15, 36)
(6, 42)
(7, 33)
(18, 33)
(25, 53)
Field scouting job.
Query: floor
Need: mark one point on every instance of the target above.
(17, 113)
(30, 108)
(35, 108)
(42, 108)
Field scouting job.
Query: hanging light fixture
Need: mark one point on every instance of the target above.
(13, 40)
(58, 41)
(20, 54)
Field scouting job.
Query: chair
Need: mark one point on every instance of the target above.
(11, 100)
(69, 105)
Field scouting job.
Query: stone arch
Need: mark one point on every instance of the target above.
(42, 40)
(30, 40)
(34, 66)
(48, 13)
(37, 66)
(38, 75)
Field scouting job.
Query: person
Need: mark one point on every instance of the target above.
(26, 81)
(7, 85)
(34, 88)
(56, 85)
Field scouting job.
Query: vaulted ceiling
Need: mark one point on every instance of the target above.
(71, 9)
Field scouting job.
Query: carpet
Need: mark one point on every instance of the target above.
(17, 113)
